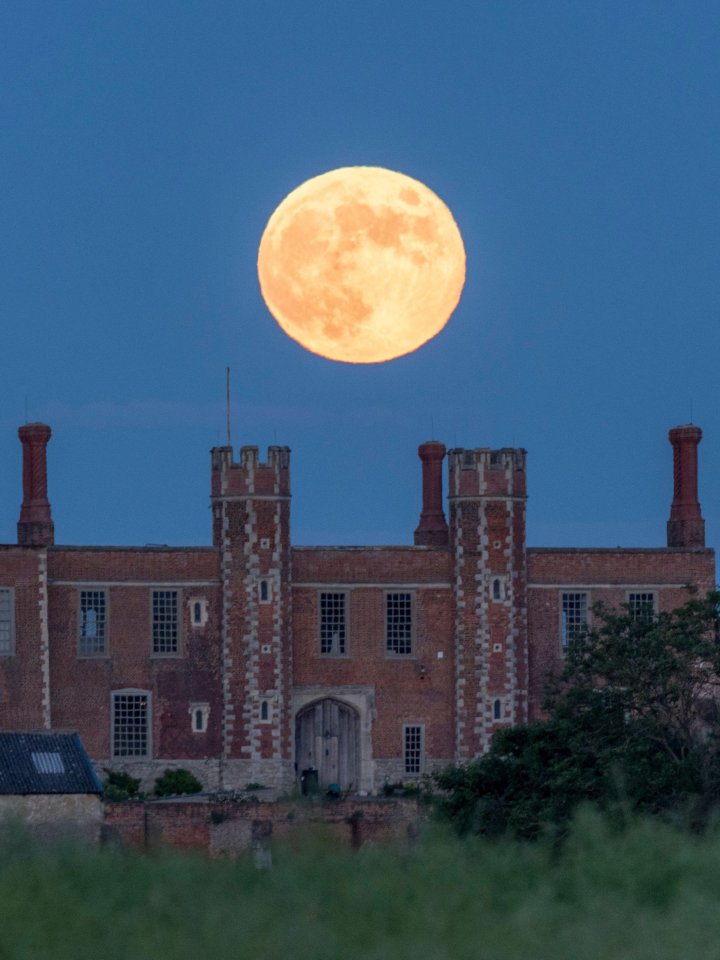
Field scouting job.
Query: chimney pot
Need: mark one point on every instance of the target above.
(35, 527)
(686, 527)
(432, 531)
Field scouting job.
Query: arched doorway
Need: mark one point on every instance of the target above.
(326, 739)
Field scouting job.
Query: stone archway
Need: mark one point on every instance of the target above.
(326, 739)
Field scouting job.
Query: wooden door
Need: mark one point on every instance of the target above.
(326, 739)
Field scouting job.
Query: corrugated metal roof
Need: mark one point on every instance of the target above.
(45, 763)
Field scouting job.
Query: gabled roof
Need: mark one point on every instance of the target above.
(45, 763)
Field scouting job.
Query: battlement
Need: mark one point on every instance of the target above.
(250, 476)
(482, 472)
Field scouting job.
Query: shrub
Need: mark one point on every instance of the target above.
(120, 786)
(176, 781)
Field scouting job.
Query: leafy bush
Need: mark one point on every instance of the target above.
(176, 781)
(633, 727)
(120, 786)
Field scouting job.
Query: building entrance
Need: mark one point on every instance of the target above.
(326, 740)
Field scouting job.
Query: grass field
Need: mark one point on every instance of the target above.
(647, 893)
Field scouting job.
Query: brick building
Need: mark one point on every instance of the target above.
(252, 660)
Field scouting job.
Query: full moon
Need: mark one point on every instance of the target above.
(361, 264)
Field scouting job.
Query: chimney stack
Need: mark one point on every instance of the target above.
(35, 527)
(432, 531)
(686, 527)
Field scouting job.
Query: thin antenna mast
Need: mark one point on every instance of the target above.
(227, 403)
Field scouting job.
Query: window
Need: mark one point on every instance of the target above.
(199, 717)
(93, 622)
(333, 625)
(398, 623)
(497, 710)
(197, 612)
(265, 591)
(413, 749)
(265, 712)
(7, 620)
(47, 762)
(642, 605)
(130, 724)
(165, 624)
(497, 589)
(573, 617)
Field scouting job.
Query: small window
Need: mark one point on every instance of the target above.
(7, 621)
(497, 710)
(199, 717)
(642, 605)
(265, 711)
(165, 622)
(413, 749)
(398, 623)
(333, 624)
(197, 612)
(48, 762)
(265, 596)
(93, 622)
(497, 589)
(573, 617)
(130, 724)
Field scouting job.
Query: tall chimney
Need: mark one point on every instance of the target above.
(35, 527)
(432, 531)
(686, 527)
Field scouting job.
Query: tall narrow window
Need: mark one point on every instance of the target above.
(333, 626)
(413, 749)
(93, 621)
(130, 724)
(497, 710)
(7, 621)
(165, 624)
(497, 590)
(265, 591)
(398, 623)
(642, 605)
(573, 617)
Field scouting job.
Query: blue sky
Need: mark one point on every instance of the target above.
(143, 147)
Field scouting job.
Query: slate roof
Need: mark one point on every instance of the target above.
(45, 763)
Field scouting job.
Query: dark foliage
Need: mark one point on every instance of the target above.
(120, 786)
(176, 781)
(632, 727)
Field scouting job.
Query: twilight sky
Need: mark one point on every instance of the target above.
(143, 147)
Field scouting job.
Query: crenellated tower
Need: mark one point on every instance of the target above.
(251, 527)
(487, 494)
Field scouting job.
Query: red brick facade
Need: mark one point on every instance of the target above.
(252, 661)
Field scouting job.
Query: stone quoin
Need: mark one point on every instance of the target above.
(254, 661)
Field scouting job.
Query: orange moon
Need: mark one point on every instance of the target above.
(361, 264)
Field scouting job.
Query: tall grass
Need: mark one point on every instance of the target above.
(646, 892)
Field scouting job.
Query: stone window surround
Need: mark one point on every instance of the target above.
(564, 591)
(10, 649)
(391, 654)
(105, 652)
(170, 654)
(420, 728)
(131, 692)
(338, 591)
(204, 709)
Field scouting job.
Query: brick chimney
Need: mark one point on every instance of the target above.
(432, 531)
(686, 527)
(35, 527)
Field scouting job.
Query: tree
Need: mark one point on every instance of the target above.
(632, 725)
